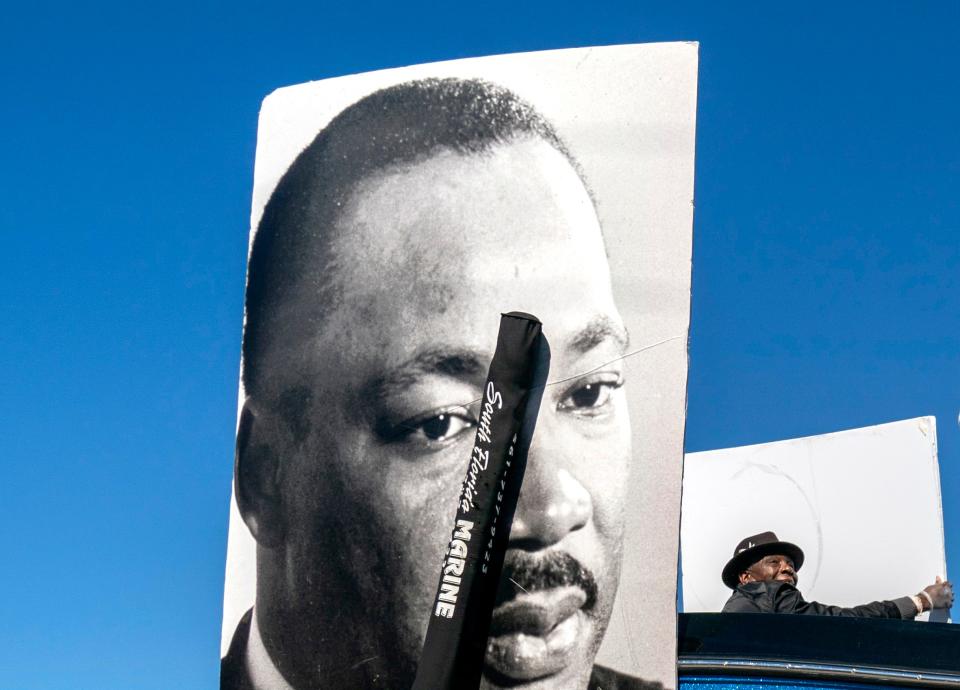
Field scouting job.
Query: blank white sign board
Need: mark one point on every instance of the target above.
(864, 505)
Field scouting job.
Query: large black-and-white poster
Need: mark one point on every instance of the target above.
(395, 216)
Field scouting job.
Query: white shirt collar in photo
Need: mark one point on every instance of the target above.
(263, 674)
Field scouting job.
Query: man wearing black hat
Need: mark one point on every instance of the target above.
(763, 577)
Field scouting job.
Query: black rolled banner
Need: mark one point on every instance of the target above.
(454, 648)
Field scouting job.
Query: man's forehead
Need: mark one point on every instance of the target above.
(433, 253)
(451, 208)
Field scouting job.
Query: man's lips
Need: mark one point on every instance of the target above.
(536, 613)
(534, 634)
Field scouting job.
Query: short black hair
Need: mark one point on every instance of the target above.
(395, 126)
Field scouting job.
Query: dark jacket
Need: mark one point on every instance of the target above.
(782, 597)
(233, 668)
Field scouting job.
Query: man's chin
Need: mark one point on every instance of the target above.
(572, 677)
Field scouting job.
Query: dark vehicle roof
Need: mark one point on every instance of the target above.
(890, 652)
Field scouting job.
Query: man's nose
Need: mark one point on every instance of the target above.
(553, 503)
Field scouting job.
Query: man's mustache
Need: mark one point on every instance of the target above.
(525, 572)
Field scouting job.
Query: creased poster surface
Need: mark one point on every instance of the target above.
(395, 216)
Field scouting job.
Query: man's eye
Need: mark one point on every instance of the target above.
(590, 397)
(437, 428)
(444, 426)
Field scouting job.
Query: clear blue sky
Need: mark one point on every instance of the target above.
(826, 269)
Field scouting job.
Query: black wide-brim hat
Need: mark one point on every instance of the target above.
(752, 549)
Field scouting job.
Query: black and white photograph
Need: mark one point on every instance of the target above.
(395, 216)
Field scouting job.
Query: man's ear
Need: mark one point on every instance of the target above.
(746, 577)
(256, 479)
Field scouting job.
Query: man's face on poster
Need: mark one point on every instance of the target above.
(425, 257)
